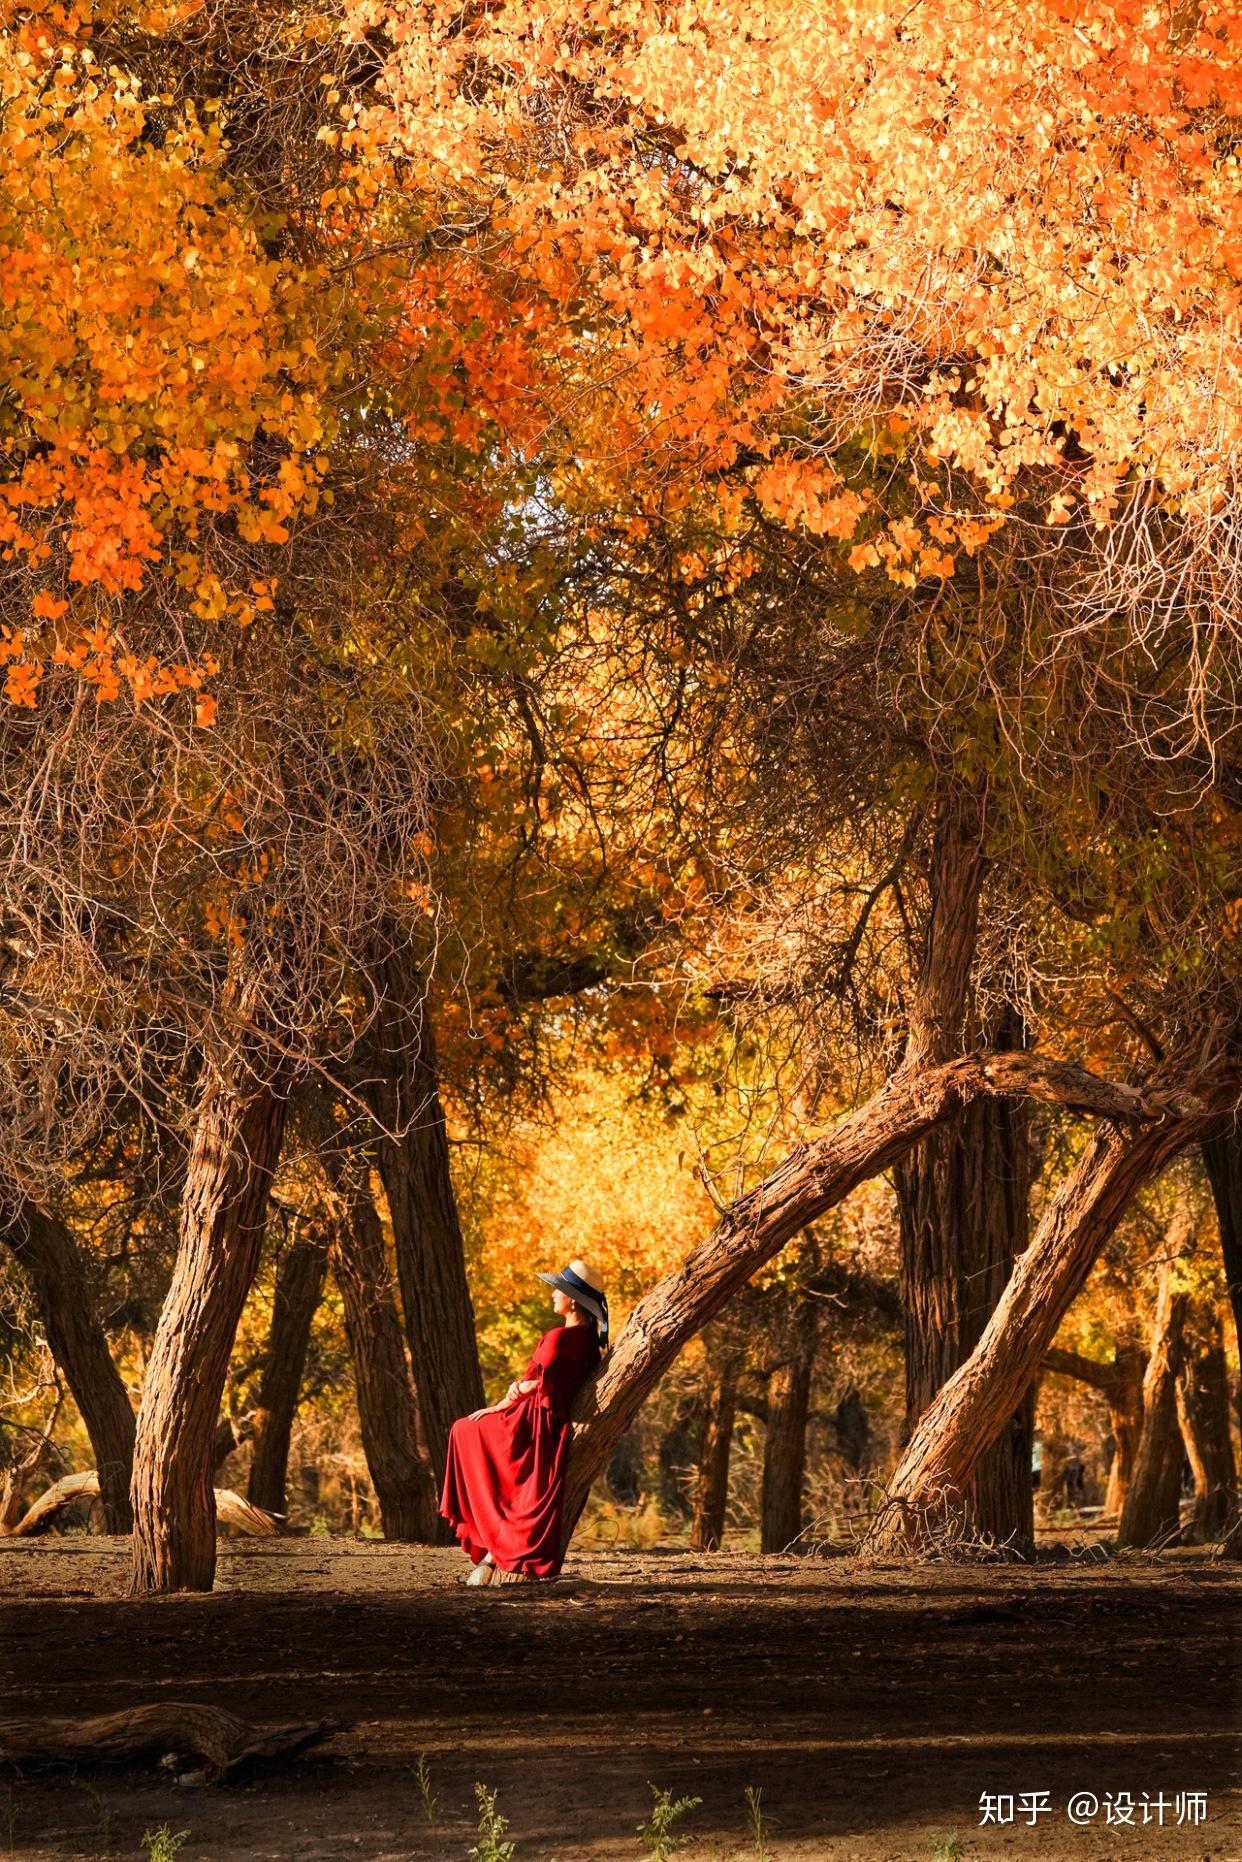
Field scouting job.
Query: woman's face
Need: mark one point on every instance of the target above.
(561, 1302)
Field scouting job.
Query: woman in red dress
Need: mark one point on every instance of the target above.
(505, 1475)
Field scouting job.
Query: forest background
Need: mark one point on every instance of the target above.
(620, 638)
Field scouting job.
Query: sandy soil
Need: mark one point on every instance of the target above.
(873, 1708)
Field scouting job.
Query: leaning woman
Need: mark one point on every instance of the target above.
(505, 1478)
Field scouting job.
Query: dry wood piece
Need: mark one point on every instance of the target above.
(60, 1495)
(231, 1509)
(171, 1733)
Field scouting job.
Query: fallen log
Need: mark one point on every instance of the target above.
(61, 1494)
(231, 1509)
(176, 1735)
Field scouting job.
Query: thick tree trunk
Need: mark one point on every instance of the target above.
(975, 1406)
(812, 1180)
(1121, 1385)
(784, 1442)
(299, 1288)
(387, 1407)
(233, 1155)
(53, 1263)
(1151, 1513)
(413, 1157)
(1203, 1412)
(963, 1195)
(963, 1201)
(725, 1361)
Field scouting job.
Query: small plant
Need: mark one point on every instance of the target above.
(161, 1845)
(755, 1813)
(105, 1825)
(492, 1826)
(946, 1849)
(659, 1833)
(422, 1776)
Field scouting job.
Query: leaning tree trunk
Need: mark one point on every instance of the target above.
(387, 1406)
(963, 1194)
(726, 1359)
(974, 1407)
(1203, 1413)
(54, 1265)
(234, 1152)
(784, 1441)
(1152, 1511)
(413, 1157)
(299, 1288)
(812, 1180)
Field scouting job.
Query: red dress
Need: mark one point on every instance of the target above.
(505, 1473)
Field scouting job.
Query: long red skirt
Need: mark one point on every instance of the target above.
(503, 1485)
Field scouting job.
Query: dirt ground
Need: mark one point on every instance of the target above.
(873, 1708)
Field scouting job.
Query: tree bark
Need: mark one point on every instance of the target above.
(413, 1157)
(387, 1406)
(963, 1194)
(53, 1263)
(810, 1181)
(725, 1359)
(974, 1407)
(1203, 1412)
(299, 1288)
(784, 1442)
(234, 1152)
(1152, 1507)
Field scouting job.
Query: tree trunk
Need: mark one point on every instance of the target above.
(1203, 1412)
(233, 1155)
(413, 1158)
(974, 1407)
(387, 1407)
(784, 1442)
(299, 1288)
(1222, 1157)
(1152, 1509)
(1121, 1385)
(963, 1195)
(725, 1361)
(1124, 1397)
(54, 1265)
(810, 1181)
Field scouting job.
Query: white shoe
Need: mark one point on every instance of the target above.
(482, 1573)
